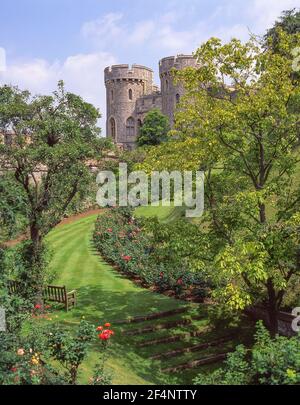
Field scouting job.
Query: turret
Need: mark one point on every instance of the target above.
(172, 93)
(124, 86)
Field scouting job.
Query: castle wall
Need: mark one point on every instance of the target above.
(146, 104)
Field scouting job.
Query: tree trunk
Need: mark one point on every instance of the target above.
(273, 317)
(272, 310)
(73, 373)
(37, 264)
(262, 213)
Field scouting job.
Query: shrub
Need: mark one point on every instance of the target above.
(154, 252)
(270, 362)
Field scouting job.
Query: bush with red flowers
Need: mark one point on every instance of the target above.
(101, 376)
(151, 251)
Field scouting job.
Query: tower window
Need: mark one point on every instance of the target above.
(177, 98)
(130, 94)
(113, 128)
(112, 95)
(130, 127)
(167, 84)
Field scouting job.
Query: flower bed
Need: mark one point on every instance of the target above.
(124, 241)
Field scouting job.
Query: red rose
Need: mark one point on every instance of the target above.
(37, 306)
(107, 325)
(180, 282)
(106, 334)
(99, 328)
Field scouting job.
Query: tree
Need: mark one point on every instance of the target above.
(288, 22)
(245, 136)
(154, 130)
(52, 139)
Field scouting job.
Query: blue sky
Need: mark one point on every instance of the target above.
(48, 40)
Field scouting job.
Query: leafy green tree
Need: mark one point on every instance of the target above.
(53, 138)
(154, 129)
(288, 22)
(269, 362)
(245, 137)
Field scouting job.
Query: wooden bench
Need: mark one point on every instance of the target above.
(51, 293)
(59, 294)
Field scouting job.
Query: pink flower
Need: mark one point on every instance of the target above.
(109, 230)
(20, 352)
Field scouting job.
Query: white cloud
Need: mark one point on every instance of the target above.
(103, 30)
(159, 33)
(142, 32)
(82, 74)
(171, 33)
(264, 13)
(2, 60)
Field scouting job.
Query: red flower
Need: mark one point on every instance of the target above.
(161, 275)
(107, 325)
(37, 306)
(14, 369)
(99, 328)
(106, 334)
(109, 230)
(180, 282)
(126, 258)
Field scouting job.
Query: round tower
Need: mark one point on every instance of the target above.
(124, 86)
(172, 93)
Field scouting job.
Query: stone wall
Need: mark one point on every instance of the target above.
(285, 319)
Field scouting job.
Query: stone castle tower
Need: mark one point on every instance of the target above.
(131, 94)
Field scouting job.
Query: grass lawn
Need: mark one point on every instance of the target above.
(104, 295)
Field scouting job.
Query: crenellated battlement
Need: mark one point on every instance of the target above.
(127, 72)
(178, 62)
